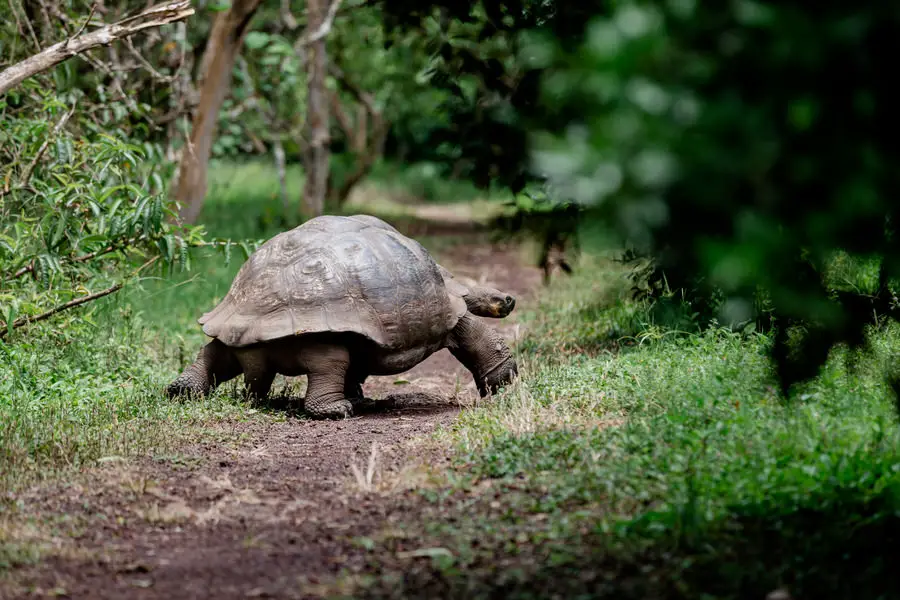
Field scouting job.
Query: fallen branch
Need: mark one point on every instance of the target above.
(22, 321)
(155, 16)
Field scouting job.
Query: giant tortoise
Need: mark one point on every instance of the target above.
(339, 299)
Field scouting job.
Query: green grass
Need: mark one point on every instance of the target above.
(72, 395)
(668, 469)
(244, 199)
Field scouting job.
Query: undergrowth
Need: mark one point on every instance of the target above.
(245, 199)
(634, 459)
(70, 397)
(671, 468)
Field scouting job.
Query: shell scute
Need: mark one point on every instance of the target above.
(355, 274)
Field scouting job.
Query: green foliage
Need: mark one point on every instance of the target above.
(89, 387)
(670, 469)
(91, 391)
(83, 210)
(715, 142)
(474, 66)
(729, 189)
(268, 96)
(427, 182)
(83, 173)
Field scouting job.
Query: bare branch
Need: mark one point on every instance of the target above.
(292, 23)
(88, 20)
(280, 167)
(362, 96)
(155, 16)
(340, 114)
(153, 72)
(367, 150)
(323, 30)
(22, 321)
(15, 13)
(287, 16)
(325, 27)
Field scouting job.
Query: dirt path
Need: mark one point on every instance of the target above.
(268, 508)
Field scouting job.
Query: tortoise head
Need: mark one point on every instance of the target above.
(489, 302)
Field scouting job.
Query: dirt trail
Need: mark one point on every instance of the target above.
(271, 507)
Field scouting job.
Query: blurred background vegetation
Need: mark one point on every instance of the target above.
(737, 158)
(740, 154)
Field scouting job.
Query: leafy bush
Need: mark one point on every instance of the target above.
(715, 141)
(84, 209)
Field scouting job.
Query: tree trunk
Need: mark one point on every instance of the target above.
(363, 164)
(281, 167)
(214, 80)
(361, 138)
(316, 157)
(366, 147)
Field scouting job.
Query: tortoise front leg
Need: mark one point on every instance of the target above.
(326, 396)
(215, 364)
(483, 352)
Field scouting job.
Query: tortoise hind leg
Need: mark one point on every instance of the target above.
(258, 374)
(215, 364)
(326, 393)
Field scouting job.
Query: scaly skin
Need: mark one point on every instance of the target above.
(333, 387)
(484, 353)
(215, 364)
(484, 301)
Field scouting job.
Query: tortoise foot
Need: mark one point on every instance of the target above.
(336, 409)
(184, 387)
(498, 377)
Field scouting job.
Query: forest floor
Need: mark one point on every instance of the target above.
(639, 456)
(267, 507)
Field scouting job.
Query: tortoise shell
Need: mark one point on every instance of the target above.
(341, 274)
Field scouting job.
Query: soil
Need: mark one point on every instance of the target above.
(267, 507)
